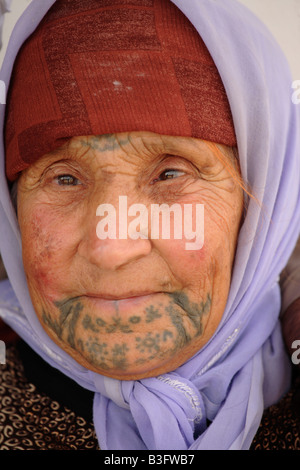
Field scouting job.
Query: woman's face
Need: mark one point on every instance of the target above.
(128, 307)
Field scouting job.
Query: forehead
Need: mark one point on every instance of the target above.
(135, 146)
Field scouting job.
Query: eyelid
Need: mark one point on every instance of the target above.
(62, 168)
(177, 163)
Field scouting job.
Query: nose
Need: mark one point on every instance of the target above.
(108, 244)
(113, 254)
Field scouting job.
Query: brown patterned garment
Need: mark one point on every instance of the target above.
(280, 426)
(31, 420)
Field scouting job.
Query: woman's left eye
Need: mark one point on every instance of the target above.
(169, 174)
(67, 180)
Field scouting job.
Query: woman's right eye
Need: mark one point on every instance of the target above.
(67, 180)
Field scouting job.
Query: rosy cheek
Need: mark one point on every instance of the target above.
(41, 256)
(183, 260)
(194, 266)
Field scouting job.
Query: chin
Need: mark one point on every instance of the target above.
(132, 338)
(139, 369)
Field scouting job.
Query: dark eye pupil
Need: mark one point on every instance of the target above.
(67, 180)
(168, 174)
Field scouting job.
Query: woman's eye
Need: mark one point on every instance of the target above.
(67, 180)
(170, 174)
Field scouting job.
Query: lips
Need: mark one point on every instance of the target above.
(125, 296)
(121, 302)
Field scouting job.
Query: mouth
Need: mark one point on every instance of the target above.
(123, 296)
(123, 300)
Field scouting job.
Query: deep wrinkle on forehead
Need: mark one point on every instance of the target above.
(139, 145)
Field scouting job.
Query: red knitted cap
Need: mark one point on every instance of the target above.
(104, 66)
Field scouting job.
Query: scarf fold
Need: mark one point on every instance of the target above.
(216, 399)
(151, 408)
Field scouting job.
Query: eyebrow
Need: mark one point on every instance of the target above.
(104, 142)
(195, 150)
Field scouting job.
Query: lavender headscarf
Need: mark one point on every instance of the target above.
(243, 368)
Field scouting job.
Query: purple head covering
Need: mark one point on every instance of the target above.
(243, 368)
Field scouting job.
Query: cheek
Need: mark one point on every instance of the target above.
(42, 243)
(201, 269)
(184, 264)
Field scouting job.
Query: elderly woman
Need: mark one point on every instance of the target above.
(186, 104)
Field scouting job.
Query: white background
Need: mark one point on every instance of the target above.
(282, 17)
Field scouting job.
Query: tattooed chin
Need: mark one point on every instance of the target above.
(132, 344)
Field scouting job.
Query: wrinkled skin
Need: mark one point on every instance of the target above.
(127, 308)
